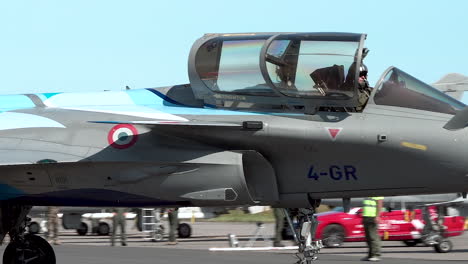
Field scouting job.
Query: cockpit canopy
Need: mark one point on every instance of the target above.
(310, 69)
(397, 88)
(300, 72)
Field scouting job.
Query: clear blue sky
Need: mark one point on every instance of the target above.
(89, 45)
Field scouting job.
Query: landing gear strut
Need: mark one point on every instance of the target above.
(434, 230)
(23, 248)
(304, 235)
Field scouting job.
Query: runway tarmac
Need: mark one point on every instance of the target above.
(96, 249)
(137, 255)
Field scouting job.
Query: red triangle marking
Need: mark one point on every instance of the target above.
(334, 132)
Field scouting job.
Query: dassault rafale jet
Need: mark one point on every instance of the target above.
(279, 119)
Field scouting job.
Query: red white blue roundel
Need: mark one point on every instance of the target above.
(122, 136)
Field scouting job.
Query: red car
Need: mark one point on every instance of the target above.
(336, 227)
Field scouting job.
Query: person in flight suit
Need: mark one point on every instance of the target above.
(119, 220)
(364, 89)
(372, 206)
(172, 215)
(279, 225)
(52, 225)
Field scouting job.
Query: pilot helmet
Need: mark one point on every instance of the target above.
(363, 70)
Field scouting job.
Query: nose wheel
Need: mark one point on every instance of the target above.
(23, 248)
(30, 249)
(304, 235)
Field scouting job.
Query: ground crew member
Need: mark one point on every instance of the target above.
(372, 206)
(279, 226)
(52, 225)
(119, 220)
(172, 215)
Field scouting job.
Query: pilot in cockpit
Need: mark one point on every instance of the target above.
(364, 90)
(363, 83)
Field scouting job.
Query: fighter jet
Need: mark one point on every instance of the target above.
(280, 119)
(455, 85)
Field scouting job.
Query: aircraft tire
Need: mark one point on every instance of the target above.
(35, 249)
(184, 230)
(83, 229)
(444, 246)
(333, 235)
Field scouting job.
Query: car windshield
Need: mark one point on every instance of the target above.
(337, 209)
(398, 88)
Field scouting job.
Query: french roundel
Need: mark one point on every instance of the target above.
(122, 136)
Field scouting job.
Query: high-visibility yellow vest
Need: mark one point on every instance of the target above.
(369, 208)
